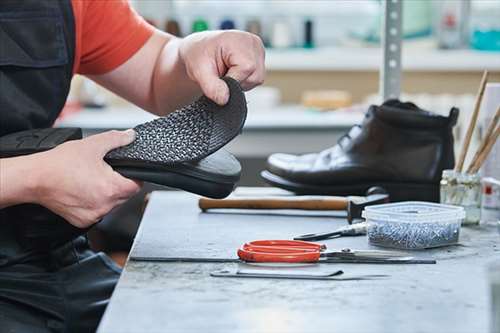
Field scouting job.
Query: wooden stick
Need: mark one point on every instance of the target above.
(487, 149)
(488, 133)
(284, 202)
(472, 123)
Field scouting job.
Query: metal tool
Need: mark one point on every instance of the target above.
(353, 205)
(293, 251)
(356, 229)
(334, 276)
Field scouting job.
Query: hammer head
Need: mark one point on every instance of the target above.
(355, 206)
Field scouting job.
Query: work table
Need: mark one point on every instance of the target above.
(155, 296)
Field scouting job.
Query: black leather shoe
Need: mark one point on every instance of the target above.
(398, 146)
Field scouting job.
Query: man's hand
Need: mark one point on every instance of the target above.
(74, 182)
(210, 55)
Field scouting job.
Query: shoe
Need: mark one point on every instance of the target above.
(399, 147)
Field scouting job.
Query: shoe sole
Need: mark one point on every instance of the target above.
(214, 176)
(397, 191)
(188, 134)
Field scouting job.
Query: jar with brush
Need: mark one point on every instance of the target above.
(463, 188)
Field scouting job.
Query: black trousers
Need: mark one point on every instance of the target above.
(63, 290)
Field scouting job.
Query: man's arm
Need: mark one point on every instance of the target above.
(72, 180)
(17, 180)
(169, 72)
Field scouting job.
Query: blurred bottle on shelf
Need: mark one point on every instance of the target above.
(253, 26)
(485, 23)
(453, 28)
(173, 27)
(200, 25)
(308, 34)
(281, 36)
(227, 24)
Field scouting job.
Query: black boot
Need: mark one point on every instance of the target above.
(398, 146)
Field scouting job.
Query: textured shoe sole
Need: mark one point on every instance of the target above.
(188, 134)
(397, 191)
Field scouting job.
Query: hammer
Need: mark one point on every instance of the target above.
(353, 204)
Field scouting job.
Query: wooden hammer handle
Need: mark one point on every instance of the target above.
(292, 202)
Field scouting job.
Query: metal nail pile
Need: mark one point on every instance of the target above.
(413, 235)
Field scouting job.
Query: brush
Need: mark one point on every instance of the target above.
(472, 124)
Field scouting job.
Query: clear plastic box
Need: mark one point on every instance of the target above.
(413, 224)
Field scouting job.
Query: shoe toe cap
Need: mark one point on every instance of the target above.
(280, 164)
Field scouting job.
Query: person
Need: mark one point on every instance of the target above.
(50, 280)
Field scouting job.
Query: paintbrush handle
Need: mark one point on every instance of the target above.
(487, 137)
(292, 202)
(484, 154)
(472, 124)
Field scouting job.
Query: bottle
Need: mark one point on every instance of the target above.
(200, 25)
(227, 25)
(308, 34)
(281, 35)
(173, 28)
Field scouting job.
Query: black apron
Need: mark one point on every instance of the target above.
(50, 281)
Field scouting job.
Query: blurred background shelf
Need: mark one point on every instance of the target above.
(369, 59)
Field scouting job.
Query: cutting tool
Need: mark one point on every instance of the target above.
(293, 251)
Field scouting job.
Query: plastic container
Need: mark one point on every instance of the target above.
(413, 224)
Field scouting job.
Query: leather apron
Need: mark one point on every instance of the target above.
(50, 281)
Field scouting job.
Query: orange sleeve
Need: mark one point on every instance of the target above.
(111, 33)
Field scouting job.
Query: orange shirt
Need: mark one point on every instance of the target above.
(108, 33)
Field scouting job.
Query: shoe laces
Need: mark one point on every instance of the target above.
(347, 137)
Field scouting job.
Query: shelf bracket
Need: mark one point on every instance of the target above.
(391, 36)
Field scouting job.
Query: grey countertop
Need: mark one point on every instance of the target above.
(155, 296)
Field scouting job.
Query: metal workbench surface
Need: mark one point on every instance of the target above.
(154, 296)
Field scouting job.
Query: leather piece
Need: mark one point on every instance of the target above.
(397, 142)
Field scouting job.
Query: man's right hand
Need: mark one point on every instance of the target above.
(73, 181)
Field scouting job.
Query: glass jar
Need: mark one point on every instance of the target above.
(462, 189)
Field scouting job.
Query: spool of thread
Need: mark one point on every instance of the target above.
(200, 25)
(173, 28)
(281, 36)
(227, 25)
(308, 34)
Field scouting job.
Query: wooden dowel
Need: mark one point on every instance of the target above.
(487, 149)
(484, 142)
(472, 124)
(292, 202)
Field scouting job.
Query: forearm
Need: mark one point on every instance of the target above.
(171, 86)
(155, 78)
(18, 180)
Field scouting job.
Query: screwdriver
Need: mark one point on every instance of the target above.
(356, 229)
